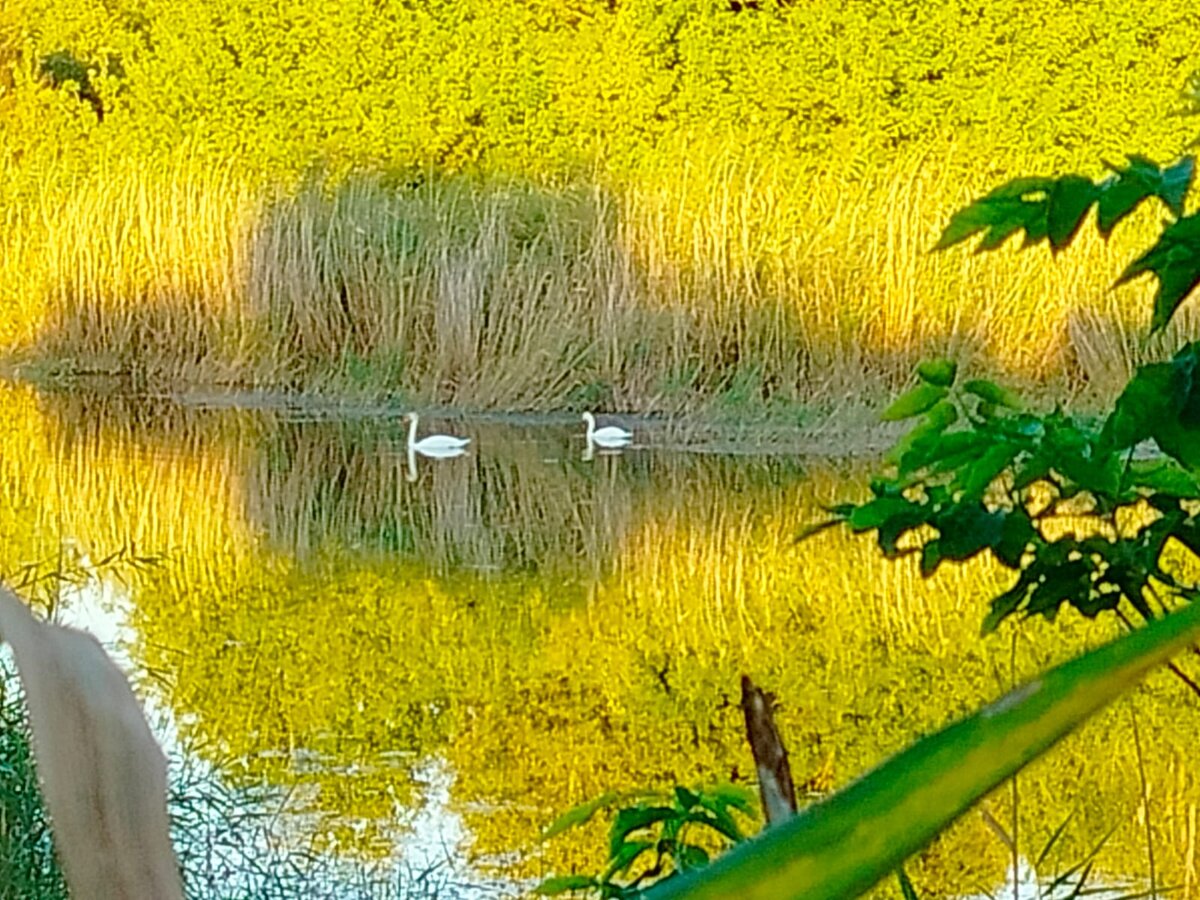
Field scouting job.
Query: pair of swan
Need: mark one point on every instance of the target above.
(445, 446)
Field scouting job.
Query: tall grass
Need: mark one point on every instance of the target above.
(28, 867)
(728, 271)
(229, 842)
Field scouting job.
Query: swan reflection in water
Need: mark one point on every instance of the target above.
(591, 451)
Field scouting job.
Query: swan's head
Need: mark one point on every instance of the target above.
(589, 418)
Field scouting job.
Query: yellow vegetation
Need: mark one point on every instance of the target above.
(553, 630)
(638, 203)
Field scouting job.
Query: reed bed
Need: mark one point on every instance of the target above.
(726, 275)
(649, 205)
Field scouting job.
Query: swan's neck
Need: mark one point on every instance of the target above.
(412, 431)
(591, 427)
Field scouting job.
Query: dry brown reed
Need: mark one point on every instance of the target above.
(725, 273)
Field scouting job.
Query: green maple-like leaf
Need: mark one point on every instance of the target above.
(1066, 207)
(1044, 208)
(938, 372)
(1019, 204)
(1121, 192)
(1175, 261)
(919, 400)
(1053, 209)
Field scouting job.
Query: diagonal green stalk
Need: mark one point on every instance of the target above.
(842, 846)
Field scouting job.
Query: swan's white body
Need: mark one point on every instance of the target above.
(608, 436)
(440, 445)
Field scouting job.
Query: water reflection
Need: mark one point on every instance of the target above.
(539, 625)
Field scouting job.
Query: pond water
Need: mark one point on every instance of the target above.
(388, 680)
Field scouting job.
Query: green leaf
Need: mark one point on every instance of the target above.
(1004, 605)
(1175, 183)
(1099, 474)
(923, 439)
(944, 452)
(974, 480)
(1175, 261)
(691, 857)
(878, 511)
(968, 529)
(716, 818)
(938, 372)
(884, 487)
(721, 819)
(561, 884)
(1119, 196)
(931, 557)
(843, 845)
(580, 814)
(1069, 201)
(906, 886)
(920, 399)
(624, 856)
(726, 794)
(1146, 399)
(1180, 442)
(965, 530)
(634, 819)
(1030, 470)
(1120, 193)
(1021, 203)
(686, 798)
(1068, 582)
(1015, 538)
(990, 392)
(815, 528)
(1164, 476)
(892, 517)
(1161, 401)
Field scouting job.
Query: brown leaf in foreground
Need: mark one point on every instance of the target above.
(103, 774)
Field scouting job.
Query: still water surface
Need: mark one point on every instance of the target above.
(393, 669)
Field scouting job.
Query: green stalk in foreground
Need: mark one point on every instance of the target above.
(845, 844)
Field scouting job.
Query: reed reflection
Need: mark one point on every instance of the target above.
(549, 627)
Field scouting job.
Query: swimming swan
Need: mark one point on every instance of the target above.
(608, 436)
(434, 444)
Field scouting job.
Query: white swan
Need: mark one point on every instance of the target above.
(608, 436)
(438, 445)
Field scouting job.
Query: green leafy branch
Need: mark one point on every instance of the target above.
(980, 473)
(654, 835)
(1053, 209)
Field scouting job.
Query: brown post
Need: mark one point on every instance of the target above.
(770, 756)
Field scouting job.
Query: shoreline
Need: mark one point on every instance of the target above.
(849, 429)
